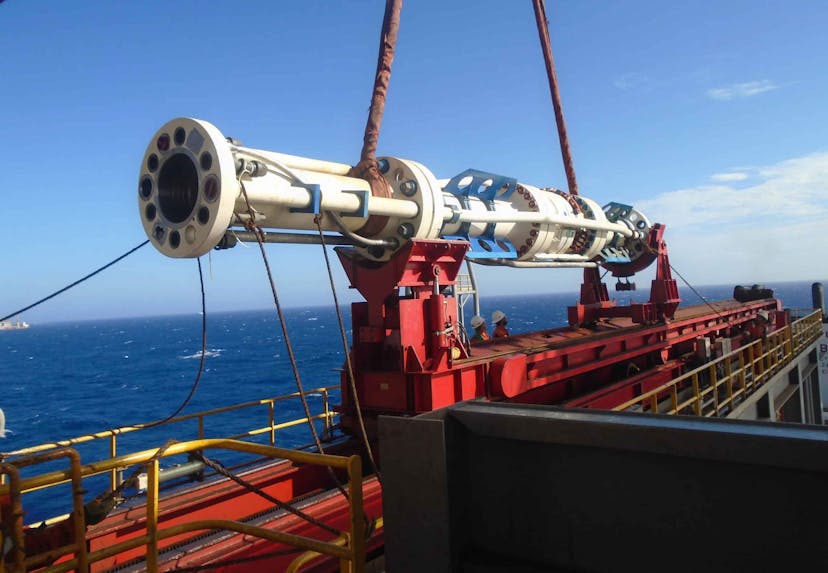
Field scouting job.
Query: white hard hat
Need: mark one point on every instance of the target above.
(764, 315)
(497, 316)
(477, 321)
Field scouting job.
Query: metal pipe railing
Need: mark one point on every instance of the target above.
(351, 551)
(757, 362)
(15, 490)
(272, 427)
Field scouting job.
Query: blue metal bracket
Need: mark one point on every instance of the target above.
(501, 187)
(614, 211)
(316, 200)
(485, 246)
(362, 210)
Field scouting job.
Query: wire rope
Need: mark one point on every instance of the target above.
(77, 282)
(253, 226)
(351, 379)
(698, 294)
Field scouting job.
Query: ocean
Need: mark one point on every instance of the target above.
(64, 380)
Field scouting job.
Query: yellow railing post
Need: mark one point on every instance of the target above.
(357, 519)
(79, 523)
(711, 375)
(728, 369)
(271, 407)
(152, 516)
(15, 507)
(114, 475)
(327, 409)
(742, 372)
(697, 394)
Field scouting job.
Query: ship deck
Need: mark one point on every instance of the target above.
(565, 337)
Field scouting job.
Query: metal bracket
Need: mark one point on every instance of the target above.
(362, 210)
(316, 199)
(486, 246)
(500, 188)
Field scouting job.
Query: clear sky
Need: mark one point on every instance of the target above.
(711, 116)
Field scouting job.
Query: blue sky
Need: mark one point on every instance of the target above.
(710, 116)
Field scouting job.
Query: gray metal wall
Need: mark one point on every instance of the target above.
(499, 487)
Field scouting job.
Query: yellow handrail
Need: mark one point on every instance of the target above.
(349, 550)
(272, 427)
(757, 362)
(14, 491)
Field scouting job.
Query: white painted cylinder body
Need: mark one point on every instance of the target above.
(195, 184)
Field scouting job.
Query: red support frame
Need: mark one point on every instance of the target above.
(595, 303)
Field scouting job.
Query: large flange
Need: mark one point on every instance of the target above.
(187, 188)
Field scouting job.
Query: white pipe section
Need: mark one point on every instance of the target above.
(559, 257)
(531, 217)
(535, 265)
(193, 182)
(294, 161)
(331, 200)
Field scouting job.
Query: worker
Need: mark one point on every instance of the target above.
(479, 325)
(499, 320)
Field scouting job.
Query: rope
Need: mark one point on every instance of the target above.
(351, 379)
(698, 294)
(101, 503)
(563, 138)
(97, 509)
(200, 364)
(237, 561)
(388, 42)
(201, 360)
(251, 225)
(77, 282)
(218, 467)
(367, 168)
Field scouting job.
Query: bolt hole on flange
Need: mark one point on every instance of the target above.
(146, 188)
(179, 136)
(203, 215)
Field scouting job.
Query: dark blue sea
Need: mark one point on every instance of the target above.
(64, 380)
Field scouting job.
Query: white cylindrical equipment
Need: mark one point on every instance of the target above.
(195, 184)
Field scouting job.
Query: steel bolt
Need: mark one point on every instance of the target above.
(409, 188)
(383, 165)
(405, 230)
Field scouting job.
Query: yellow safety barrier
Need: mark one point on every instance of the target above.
(716, 386)
(327, 415)
(349, 548)
(14, 492)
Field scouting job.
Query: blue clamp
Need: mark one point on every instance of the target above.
(315, 206)
(501, 187)
(485, 246)
(316, 199)
(362, 210)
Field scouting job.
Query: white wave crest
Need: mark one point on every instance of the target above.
(207, 354)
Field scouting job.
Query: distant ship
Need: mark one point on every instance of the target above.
(9, 325)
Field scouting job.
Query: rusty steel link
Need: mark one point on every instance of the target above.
(366, 168)
(388, 42)
(546, 47)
